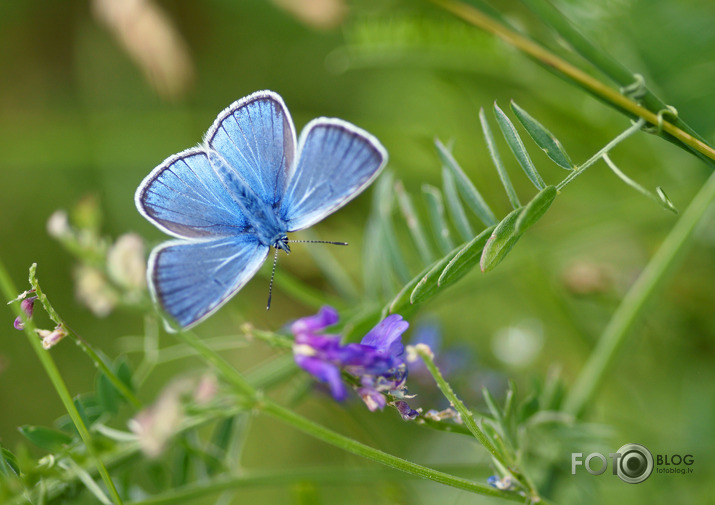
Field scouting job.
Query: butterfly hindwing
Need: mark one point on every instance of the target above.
(256, 138)
(192, 279)
(336, 162)
(184, 197)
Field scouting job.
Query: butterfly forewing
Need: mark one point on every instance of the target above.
(256, 138)
(184, 197)
(336, 162)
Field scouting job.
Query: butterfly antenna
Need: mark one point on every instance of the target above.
(270, 286)
(317, 242)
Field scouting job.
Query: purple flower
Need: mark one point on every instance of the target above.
(376, 363)
(27, 306)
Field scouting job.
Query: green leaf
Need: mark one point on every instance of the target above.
(454, 205)
(124, 373)
(517, 147)
(402, 299)
(435, 208)
(428, 286)
(46, 438)
(414, 225)
(8, 463)
(501, 241)
(465, 186)
(466, 259)
(513, 226)
(536, 208)
(494, 153)
(543, 138)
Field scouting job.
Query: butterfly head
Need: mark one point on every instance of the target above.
(282, 243)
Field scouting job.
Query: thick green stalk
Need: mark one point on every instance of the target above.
(599, 58)
(648, 284)
(10, 292)
(564, 68)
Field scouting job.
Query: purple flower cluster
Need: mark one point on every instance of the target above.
(376, 362)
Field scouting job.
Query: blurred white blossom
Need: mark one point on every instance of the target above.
(93, 290)
(58, 224)
(125, 262)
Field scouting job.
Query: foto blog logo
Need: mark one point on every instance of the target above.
(633, 463)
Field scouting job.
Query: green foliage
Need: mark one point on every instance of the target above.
(432, 220)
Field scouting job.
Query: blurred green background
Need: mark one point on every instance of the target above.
(80, 114)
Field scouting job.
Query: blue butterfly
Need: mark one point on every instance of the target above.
(240, 192)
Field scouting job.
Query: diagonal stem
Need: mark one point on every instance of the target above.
(475, 17)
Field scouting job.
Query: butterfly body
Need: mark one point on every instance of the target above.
(240, 193)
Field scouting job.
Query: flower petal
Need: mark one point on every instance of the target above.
(325, 317)
(324, 372)
(386, 336)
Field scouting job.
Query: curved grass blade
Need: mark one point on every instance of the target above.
(456, 211)
(543, 138)
(436, 212)
(470, 193)
(517, 147)
(414, 225)
(536, 208)
(466, 259)
(494, 153)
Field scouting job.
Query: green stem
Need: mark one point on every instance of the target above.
(313, 429)
(96, 359)
(600, 59)
(271, 478)
(10, 291)
(648, 284)
(604, 150)
(468, 418)
(347, 444)
(475, 17)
